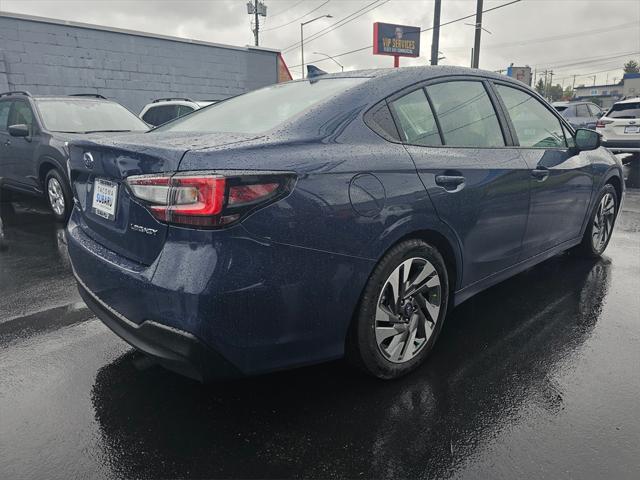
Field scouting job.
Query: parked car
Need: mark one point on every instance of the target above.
(344, 214)
(580, 114)
(34, 131)
(164, 110)
(620, 126)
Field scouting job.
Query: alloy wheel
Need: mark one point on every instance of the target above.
(56, 196)
(603, 222)
(407, 310)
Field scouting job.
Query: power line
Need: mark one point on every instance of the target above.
(552, 38)
(296, 19)
(425, 30)
(288, 8)
(342, 22)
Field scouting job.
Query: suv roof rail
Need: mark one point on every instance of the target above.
(169, 99)
(16, 92)
(94, 95)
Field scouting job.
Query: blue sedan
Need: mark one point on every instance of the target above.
(340, 215)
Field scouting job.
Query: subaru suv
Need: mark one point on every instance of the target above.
(338, 215)
(34, 132)
(620, 127)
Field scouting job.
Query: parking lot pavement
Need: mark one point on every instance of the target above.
(536, 377)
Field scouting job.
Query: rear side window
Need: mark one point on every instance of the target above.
(535, 125)
(466, 115)
(415, 119)
(582, 110)
(595, 111)
(4, 115)
(380, 121)
(625, 110)
(161, 114)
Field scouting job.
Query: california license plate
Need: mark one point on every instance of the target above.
(105, 197)
(632, 129)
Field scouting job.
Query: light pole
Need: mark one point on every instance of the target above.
(302, 38)
(331, 58)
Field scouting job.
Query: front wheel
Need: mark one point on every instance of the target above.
(58, 195)
(401, 311)
(598, 233)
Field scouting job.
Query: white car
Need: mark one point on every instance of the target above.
(164, 110)
(620, 126)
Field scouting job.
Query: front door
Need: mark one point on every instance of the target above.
(561, 179)
(478, 185)
(21, 151)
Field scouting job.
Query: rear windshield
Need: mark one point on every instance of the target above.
(560, 108)
(625, 110)
(261, 110)
(86, 116)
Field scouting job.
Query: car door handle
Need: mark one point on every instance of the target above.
(449, 182)
(540, 174)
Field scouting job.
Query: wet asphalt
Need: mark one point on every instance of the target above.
(538, 377)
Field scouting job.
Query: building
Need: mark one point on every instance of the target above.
(54, 57)
(604, 95)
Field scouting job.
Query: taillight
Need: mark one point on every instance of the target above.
(208, 199)
(601, 123)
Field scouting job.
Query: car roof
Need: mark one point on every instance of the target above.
(629, 100)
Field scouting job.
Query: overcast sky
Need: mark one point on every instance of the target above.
(583, 37)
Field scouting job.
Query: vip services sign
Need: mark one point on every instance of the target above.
(396, 40)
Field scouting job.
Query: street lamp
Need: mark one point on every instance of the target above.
(302, 37)
(331, 58)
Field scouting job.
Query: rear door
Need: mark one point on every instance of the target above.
(5, 140)
(561, 179)
(583, 116)
(478, 184)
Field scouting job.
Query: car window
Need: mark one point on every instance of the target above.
(264, 109)
(161, 114)
(466, 115)
(381, 121)
(582, 110)
(595, 111)
(4, 115)
(534, 124)
(415, 118)
(569, 112)
(184, 109)
(21, 114)
(625, 110)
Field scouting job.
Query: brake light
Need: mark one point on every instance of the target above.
(207, 199)
(601, 123)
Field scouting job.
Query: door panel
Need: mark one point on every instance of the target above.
(20, 151)
(559, 201)
(488, 212)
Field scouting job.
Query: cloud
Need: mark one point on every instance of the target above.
(511, 27)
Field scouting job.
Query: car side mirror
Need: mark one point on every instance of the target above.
(19, 130)
(587, 139)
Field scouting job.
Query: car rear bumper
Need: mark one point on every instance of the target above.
(175, 349)
(622, 146)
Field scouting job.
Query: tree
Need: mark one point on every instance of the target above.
(631, 67)
(540, 87)
(555, 92)
(568, 93)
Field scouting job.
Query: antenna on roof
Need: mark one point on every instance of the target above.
(313, 71)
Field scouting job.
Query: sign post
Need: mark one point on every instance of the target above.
(396, 40)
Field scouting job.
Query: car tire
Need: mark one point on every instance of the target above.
(58, 195)
(593, 243)
(372, 344)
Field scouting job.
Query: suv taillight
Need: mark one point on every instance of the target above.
(601, 123)
(208, 199)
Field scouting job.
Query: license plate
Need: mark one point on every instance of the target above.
(632, 129)
(105, 196)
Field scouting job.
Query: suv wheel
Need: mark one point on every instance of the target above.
(401, 311)
(58, 195)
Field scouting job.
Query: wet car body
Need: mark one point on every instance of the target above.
(279, 289)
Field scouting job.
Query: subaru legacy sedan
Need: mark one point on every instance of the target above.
(340, 215)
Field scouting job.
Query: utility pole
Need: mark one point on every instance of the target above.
(476, 42)
(256, 30)
(550, 81)
(435, 42)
